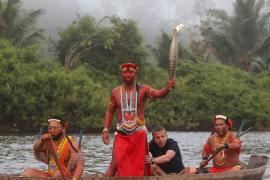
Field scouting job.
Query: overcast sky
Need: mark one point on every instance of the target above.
(152, 16)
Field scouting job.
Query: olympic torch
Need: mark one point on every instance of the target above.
(173, 56)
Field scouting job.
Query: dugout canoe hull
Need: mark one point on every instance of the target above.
(254, 170)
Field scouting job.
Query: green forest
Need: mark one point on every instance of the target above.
(225, 71)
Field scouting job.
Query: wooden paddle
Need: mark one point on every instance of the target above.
(69, 141)
(40, 133)
(49, 144)
(238, 135)
(147, 167)
(80, 139)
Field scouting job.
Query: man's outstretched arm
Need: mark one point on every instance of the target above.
(164, 158)
(159, 93)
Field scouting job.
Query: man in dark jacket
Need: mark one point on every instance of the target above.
(166, 157)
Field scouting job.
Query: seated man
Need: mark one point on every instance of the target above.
(64, 147)
(166, 153)
(222, 140)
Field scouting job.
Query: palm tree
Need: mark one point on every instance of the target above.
(241, 39)
(19, 25)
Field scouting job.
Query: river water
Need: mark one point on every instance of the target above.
(16, 150)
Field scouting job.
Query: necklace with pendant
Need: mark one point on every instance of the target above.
(220, 158)
(129, 108)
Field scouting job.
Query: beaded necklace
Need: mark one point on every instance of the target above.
(129, 110)
(52, 167)
(220, 158)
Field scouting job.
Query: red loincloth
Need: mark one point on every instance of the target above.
(130, 153)
(218, 170)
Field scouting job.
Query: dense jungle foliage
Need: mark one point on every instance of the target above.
(76, 84)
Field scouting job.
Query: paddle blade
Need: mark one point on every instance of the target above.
(40, 132)
(80, 140)
(240, 128)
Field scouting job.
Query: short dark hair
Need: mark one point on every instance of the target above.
(158, 129)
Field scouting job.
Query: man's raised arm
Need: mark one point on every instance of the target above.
(159, 93)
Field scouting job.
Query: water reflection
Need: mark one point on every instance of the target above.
(16, 151)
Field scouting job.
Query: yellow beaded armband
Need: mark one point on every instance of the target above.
(105, 130)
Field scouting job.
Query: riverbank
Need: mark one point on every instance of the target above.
(11, 130)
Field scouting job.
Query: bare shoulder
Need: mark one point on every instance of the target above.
(233, 135)
(211, 137)
(116, 89)
(74, 142)
(145, 87)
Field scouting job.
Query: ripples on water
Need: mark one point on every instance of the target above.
(16, 151)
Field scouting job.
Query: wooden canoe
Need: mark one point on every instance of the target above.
(254, 170)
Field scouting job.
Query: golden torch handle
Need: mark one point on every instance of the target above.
(173, 54)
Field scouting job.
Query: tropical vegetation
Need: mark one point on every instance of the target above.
(18, 25)
(76, 84)
(241, 39)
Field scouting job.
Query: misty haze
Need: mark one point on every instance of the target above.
(152, 16)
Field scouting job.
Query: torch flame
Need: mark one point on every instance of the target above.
(179, 28)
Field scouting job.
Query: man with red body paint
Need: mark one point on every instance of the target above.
(224, 141)
(130, 145)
